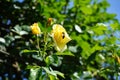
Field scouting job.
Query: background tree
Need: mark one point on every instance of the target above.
(93, 52)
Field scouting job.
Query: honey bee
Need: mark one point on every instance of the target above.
(63, 35)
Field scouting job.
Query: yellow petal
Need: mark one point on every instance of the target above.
(60, 37)
(35, 29)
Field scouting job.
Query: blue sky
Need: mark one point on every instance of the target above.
(114, 8)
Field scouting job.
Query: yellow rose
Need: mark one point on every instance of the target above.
(35, 29)
(60, 37)
(50, 21)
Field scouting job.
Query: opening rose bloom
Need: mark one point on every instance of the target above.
(60, 37)
(35, 29)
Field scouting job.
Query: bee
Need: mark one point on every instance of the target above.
(63, 35)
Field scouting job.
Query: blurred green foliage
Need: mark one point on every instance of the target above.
(93, 53)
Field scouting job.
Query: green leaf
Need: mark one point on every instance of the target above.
(17, 28)
(28, 51)
(115, 25)
(2, 40)
(68, 53)
(34, 73)
(111, 40)
(26, 28)
(32, 67)
(86, 9)
(87, 75)
(52, 77)
(73, 49)
(23, 52)
(54, 60)
(49, 60)
(86, 49)
(48, 71)
(23, 32)
(44, 27)
(52, 73)
(95, 48)
(37, 57)
(78, 29)
(59, 73)
(99, 29)
(9, 39)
